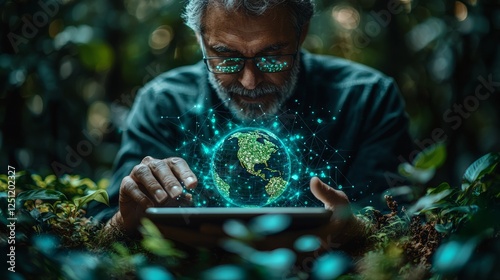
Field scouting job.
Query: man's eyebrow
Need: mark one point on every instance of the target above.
(274, 47)
(271, 48)
(223, 49)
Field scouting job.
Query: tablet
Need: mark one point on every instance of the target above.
(192, 217)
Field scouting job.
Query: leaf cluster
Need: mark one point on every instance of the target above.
(53, 206)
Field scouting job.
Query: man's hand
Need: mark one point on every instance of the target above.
(334, 200)
(343, 227)
(153, 182)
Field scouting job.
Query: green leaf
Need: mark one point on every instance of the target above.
(99, 195)
(42, 194)
(416, 175)
(121, 250)
(429, 202)
(484, 165)
(88, 183)
(431, 158)
(466, 209)
(442, 187)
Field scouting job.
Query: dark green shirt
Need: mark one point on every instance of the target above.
(345, 123)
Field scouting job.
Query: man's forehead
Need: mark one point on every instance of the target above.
(233, 7)
(219, 23)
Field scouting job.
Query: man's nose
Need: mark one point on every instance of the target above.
(250, 76)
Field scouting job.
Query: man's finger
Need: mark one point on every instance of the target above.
(142, 175)
(334, 200)
(161, 170)
(329, 196)
(181, 170)
(131, 193)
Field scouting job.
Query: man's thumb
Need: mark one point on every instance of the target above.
(329, 196)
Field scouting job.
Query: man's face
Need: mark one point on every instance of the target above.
(251, 94)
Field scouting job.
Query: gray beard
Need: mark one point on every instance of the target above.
(248, 112)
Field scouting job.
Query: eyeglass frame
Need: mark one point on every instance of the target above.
(245, 58)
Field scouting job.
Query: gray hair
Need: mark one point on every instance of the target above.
(301, 10)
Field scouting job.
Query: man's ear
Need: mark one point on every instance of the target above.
(303, 33)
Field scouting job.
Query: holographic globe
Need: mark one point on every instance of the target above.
(250, 167)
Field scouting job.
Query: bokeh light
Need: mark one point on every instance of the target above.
(98, 115)
(460, 11)
(35, 104)
(161, 37)
(346, 16)
(307, 243)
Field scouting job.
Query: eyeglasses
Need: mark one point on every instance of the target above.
(265, 63)
(232, 65)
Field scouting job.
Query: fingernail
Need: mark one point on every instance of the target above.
(175, 191)
(160, 195)
(188, 181)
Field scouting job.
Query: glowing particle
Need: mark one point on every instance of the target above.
(307, 243)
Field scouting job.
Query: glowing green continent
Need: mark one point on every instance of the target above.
(251, 167)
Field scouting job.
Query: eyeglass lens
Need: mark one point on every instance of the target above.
(266, 64)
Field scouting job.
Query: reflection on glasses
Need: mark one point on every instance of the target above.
(265, 63)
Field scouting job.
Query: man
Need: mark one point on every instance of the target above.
(346, 122)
